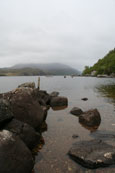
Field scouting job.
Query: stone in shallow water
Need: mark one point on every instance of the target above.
(76, 111)
(93, 154)
(84, 99)
(58, 101)
(90, 118)
(75, 136)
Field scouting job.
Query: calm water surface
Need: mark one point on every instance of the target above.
(53, 157)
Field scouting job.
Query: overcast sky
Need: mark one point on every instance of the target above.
(74, 32)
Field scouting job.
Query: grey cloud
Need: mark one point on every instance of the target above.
(76, 32)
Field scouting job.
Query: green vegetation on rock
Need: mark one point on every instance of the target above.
(105, 65)
(107, 91)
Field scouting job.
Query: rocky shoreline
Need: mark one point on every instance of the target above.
(22, 113)
(95, 153)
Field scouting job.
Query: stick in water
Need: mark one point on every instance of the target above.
(39, 83)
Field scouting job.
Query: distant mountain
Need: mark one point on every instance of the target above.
(105, 65)
(21, 72)
(38, 69)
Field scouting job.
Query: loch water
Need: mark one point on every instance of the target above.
(62, 126)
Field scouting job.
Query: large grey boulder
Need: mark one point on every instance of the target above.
(25, 107)
(90, 118)
(58, 101)
(76, 111)
(14, 155)
(5, 113)
(41, 96)
(27, 85)
(93, 154)
(28, 135)
(54, 94)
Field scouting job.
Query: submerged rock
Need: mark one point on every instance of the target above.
(104, 135)
(90, 118)
(93, 154)
(28, 135)
(58, 101)
(5, 113)
(76, 111)
(75, 136)
(84, 99)
(14, 155)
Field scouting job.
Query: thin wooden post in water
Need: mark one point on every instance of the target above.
(39, 83)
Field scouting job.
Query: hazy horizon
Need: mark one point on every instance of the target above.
(24, 65)
(75, 33)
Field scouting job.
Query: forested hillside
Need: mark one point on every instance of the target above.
(105, 65)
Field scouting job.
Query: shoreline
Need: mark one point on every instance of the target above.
(23, 111)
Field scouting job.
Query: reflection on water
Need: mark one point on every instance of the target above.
(57, 137)
(103, 135)
(62, 125)
(91, 129)
(38, 147)
(107, 91)
(58, 108)
(44, 127)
